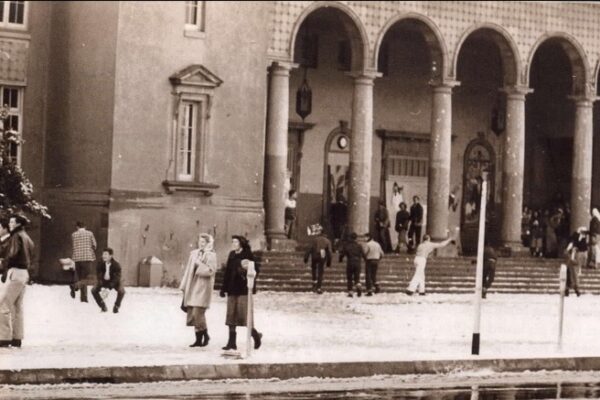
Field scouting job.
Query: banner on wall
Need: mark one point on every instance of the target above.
(411, 186)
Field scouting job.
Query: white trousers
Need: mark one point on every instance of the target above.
(418, 279)
(11, 304)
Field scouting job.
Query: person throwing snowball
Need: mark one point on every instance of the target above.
(423, 251)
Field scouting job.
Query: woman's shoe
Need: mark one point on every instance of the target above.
(205, 338)
(231, 345)
(198, 341)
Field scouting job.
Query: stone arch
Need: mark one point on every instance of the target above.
(509, 52)
(352, 24)
(576, 54)
(431, 32)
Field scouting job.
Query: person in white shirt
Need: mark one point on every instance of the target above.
(290, 213)
(423, 252)
(108, 275)
(397, 197)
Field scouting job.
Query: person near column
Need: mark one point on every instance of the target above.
(17, 258)
(416, 223)
(489, 268)
(4, 236)
(579, 242)
(373, 253)
(594, 251)
(108, 275)
(382, 223)
(339, 219)
(401, 226)
(353, 252)
(397, 197)
(290, 213)
(235, 287)
(423, 251)
(320, 255)
(197, 287)
(84, 255)
(572, 268)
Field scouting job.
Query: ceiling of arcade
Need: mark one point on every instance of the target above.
(527, 24)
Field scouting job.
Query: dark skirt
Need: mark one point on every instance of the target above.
(237, 309)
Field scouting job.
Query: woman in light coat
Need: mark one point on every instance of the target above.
(197, 286)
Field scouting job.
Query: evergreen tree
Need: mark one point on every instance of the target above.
(16, 191)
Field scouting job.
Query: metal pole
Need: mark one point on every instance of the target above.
(561, 304)
(479, 271)
(250, 274)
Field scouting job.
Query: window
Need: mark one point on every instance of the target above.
(12, 13)
(11, 97)
(194, 91)
(194, 15)
(188, 136)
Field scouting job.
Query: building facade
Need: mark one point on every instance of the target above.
(153, 121)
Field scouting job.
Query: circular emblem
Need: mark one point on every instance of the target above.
(342, 142)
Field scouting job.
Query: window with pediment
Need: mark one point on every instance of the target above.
(193, 96)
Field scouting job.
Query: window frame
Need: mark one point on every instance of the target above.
(197, 29)
(197, 144)
(16, 112)
(13, 25)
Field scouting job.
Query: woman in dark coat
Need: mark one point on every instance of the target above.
(236, 287)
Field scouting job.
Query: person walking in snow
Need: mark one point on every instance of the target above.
(373, 253)
(420, 262)
(84, 255)
(320, 255)
(489, 268)
(16, 260)
(197, 287)
(353, 252)
(236, 288)
(572, 267)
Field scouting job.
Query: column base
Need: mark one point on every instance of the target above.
(512, 249)
(277, 241)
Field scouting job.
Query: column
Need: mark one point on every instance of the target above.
(513, 167)
(438, 183)
(361, 153)
(276, 152)
(581, 180)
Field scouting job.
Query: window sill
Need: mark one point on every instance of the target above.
(194, 33)
(200, 187)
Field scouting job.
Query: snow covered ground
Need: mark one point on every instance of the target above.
(150, 329)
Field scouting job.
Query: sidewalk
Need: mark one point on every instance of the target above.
(299, 328)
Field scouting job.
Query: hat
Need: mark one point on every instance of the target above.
(243, 241)
(21, 219)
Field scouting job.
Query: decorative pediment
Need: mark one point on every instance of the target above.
(196, 75)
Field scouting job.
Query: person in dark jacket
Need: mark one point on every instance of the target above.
(17, 259)
(572, 269)
(320, 255)
(354, 254)
(489, 268)
(401, 226)
(382, 223)
(108, 275)
(235, 286)
(416, 223)
(594, 248)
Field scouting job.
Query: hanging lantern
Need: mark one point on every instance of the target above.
(498, 119)
(304, 99)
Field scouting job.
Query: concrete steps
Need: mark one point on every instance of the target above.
(286, 271)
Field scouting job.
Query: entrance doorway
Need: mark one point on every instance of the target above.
(479, 158)
(336, 179)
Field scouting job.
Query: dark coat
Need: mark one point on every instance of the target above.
(114, 273)
(595, 226)
(314, 252)
(234, 278)
(354, 252)
(416, 214)
(19, 250)
(402, 220)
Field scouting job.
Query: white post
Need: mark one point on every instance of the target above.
(479, 274)
(250, 274)
(561, 304)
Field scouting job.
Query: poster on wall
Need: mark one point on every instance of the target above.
(410, 186)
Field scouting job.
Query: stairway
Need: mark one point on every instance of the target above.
(286, 272)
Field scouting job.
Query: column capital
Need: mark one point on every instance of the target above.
(517, 92)
(584, 100)
(444, 86)
(282, 67)
(365, 76)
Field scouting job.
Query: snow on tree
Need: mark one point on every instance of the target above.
(16, 191)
